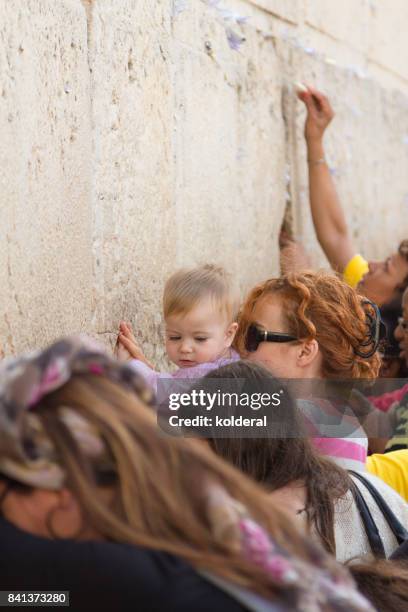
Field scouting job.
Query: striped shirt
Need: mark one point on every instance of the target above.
(336, 432)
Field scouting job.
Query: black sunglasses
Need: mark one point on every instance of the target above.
(256, 335)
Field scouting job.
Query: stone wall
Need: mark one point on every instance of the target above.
(142, 135)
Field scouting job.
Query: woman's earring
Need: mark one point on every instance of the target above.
(54, 535)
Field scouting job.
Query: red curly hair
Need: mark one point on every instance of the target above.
(319, 305)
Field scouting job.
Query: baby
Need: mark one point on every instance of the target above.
(200, 310)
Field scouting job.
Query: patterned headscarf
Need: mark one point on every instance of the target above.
(311, 587)
(27, 454)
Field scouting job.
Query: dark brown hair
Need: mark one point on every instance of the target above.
(278, 461)
(384, 583)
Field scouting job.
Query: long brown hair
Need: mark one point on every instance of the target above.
(318, 305)
(384, 583)
(159, 489)
(276, 461)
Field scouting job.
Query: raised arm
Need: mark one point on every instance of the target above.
(327, 213)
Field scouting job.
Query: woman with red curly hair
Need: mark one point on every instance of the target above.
(312, 325)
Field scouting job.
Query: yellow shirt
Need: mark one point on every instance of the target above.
(354, 271)
(392, 468)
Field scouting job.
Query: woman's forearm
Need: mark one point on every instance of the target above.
(327, 213)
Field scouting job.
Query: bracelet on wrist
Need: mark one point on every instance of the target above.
(316, 162)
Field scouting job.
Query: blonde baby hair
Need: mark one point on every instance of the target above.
(186, 287)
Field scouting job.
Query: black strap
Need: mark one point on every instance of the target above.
(371, 529)
(399, 531)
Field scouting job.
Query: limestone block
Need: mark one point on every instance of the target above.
(135, 233)
(189, 155)
(349, 24)
(389, 44)
(230, 188)
(45, 160)
(290, 11)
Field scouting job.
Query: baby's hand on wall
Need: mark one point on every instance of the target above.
(121, 353)
(127, 330)
(128, 343)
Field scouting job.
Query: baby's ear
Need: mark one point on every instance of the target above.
(230, 333)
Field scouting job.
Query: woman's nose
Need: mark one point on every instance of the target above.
(372, 266)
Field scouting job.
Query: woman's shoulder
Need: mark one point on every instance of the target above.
(390, 495)
(108, 574)
(350, 536)
(81, 560)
